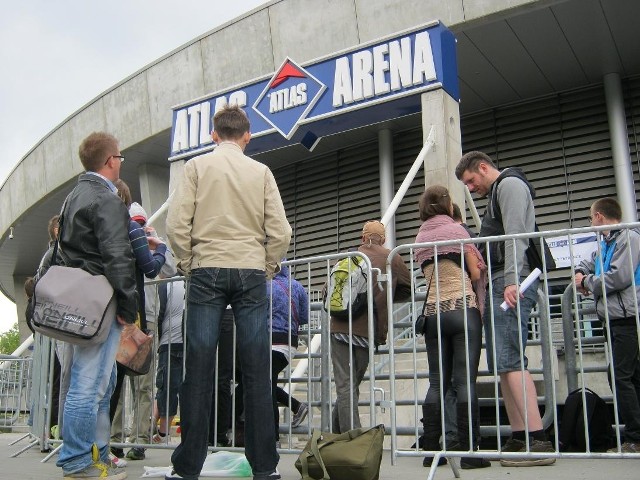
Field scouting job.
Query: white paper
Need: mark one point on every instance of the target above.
(526, 283)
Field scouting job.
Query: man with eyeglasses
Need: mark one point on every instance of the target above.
(94, 236)
(612, 275)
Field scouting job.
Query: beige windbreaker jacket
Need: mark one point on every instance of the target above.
(227, 212)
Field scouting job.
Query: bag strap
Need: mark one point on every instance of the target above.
(163, 297)
(54, 256)
(293, 305)
(424, 305)
(314, 451)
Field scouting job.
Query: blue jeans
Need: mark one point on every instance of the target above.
(507, 324)
(209, 292)
(86, 407)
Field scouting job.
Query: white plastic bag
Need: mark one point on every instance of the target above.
(218, 464)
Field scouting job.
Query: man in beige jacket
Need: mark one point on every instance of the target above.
(228, 229)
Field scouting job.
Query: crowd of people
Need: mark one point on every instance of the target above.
(229, 233)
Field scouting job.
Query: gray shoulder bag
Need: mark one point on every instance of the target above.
(72, 305)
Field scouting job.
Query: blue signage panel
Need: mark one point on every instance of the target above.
(372, 83)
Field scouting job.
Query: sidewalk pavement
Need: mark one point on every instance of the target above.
(28, 466)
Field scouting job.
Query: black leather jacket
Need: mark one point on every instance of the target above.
(95, 237)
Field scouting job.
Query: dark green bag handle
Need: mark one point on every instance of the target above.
(314, 449)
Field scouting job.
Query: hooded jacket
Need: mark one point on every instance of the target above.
(617, 276)
(284, 301)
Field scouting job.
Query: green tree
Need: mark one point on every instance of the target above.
(10, 340)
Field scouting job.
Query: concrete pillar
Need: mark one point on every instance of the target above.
(21, 304)
(175, 173)
(620, 146)
(154, 190)
(439, 109)
(387, 190)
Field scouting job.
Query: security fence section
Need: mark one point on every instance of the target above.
(569, 360)
(15, 385)
(409, 380)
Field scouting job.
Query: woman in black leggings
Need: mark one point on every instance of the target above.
(453, 327)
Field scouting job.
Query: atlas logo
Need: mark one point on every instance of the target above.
(288, 98)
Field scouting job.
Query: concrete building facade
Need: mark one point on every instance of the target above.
(550, 85)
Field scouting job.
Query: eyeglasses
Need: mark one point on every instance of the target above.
(121, 157)
(591, 217)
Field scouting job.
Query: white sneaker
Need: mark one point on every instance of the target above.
(159, 439)
(117, 462)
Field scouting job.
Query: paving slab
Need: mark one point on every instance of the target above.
(28, 466)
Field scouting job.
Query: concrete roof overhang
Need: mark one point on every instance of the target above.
(508, 51)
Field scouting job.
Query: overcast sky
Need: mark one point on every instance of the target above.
(58, 55)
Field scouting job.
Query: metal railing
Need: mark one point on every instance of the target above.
(397, 378)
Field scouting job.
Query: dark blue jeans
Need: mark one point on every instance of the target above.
(169, 378)
(209, 292)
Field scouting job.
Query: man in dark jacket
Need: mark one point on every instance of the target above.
(94, 236)
(345, 414)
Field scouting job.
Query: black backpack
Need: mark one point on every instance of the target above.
(572, 428)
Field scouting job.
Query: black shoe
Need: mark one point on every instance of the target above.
(428, 461)
(469, 463)
(275, 475)
(136, 453)
(118, 452)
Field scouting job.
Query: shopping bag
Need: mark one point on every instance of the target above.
(135, 351)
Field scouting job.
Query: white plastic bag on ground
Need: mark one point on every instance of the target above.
(217, 464)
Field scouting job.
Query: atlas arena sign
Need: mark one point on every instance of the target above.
(301, 103)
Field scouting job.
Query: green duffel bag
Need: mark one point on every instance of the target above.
(353, 455)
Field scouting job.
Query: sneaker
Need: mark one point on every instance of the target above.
(117, 462)
(98, 470)
(626, 447)
(136, 453)
(275, 475)
(160, 439)
(300, 415)
(118, 452)
(514, 445)
(535, 446)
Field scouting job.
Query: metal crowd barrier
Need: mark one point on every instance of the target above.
(15, 390)
(308, 378)
(393, 390)
(574, 341)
